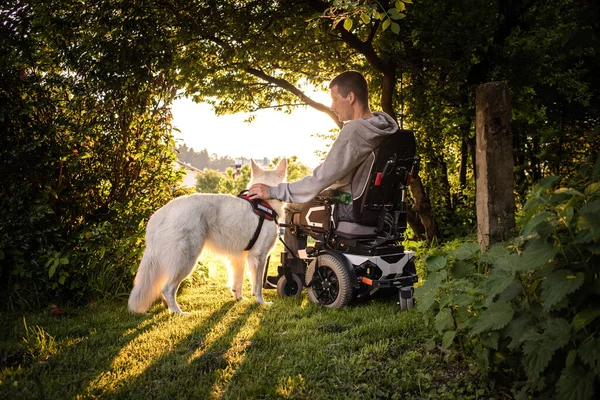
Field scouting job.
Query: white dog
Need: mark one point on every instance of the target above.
(177, 233)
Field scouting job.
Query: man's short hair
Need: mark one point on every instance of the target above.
(352, 81)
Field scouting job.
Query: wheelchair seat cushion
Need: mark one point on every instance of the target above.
(353, 230)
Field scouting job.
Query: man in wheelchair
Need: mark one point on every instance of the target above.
(358, 223)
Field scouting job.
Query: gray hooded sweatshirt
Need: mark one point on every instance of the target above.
(357, 139)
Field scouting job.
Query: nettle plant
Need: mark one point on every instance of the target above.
(528, 308)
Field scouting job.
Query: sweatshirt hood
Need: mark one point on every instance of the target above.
(380, 125)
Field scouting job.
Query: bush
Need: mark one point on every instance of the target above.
(86, 153)
(527, 310)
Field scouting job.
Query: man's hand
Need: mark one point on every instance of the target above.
(259, 191)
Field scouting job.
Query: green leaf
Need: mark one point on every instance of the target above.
(571, 357)
(575, 384)
(429, 344)
(64, 260)
(393, 13)
(386, 24)
(444, 320)
(546, 182)
(498, 281)
(593, 189)
(490, 340)
(407, 1)
(495, 317)
(62, 278)
(596, 170)
(539, 348)
(568, 191)
(537, 253)
(558, 285)
(497, 252)
(52, 269)
(400, 5)
(516, 329)
(436, 263)
(466, 251)
(588, 222)
(583, 318)
(395, 28)
(348, 24)
(365, 18)
(463, 269)
(482, 358)
(589, 352)
(448, 338)
(533, 225)
(427, 292)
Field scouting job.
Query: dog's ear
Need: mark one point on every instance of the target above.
(256, 169)
(281, 168)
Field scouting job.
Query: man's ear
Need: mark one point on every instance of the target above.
(256, 169)
(351, 98)
(281, 168)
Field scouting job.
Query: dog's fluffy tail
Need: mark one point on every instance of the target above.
(147, 285)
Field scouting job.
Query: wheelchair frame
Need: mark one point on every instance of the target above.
(342, 266)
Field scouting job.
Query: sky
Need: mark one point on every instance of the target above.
(271, 134)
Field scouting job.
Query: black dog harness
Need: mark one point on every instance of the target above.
(263, 210)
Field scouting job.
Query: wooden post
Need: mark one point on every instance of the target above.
(495, 182)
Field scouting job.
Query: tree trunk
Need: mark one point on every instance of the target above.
(423, 208)
(495, 178)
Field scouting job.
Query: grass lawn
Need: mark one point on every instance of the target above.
(227, 349)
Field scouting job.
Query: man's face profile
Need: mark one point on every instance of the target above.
(340, 105)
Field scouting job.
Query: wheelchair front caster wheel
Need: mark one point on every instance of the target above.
(289, 289)
(407, 301)
(406, 304)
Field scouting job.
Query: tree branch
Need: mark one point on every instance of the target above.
(282, 83)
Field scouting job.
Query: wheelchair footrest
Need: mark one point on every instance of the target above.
(270, 282)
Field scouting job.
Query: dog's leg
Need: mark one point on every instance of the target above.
(256, 266)
(237, 276)
(181, 266)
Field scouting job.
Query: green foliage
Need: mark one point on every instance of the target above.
(208, 181)
(295, 169)
(367, 13)
(527, 309)
(230, 182)
(87, 149)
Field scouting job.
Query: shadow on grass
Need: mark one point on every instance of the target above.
(369, 350)
(193, 367)
(82, 346)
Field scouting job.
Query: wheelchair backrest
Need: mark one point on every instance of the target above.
(388, 169)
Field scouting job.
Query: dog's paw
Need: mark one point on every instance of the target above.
(183, 314)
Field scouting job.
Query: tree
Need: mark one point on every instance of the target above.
(208, 181)
(295, 169)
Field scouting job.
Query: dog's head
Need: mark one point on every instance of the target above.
(270, 177)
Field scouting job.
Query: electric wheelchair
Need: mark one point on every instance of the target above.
(361, 258)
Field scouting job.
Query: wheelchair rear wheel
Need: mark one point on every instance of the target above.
(331, 286)
(289, 289)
